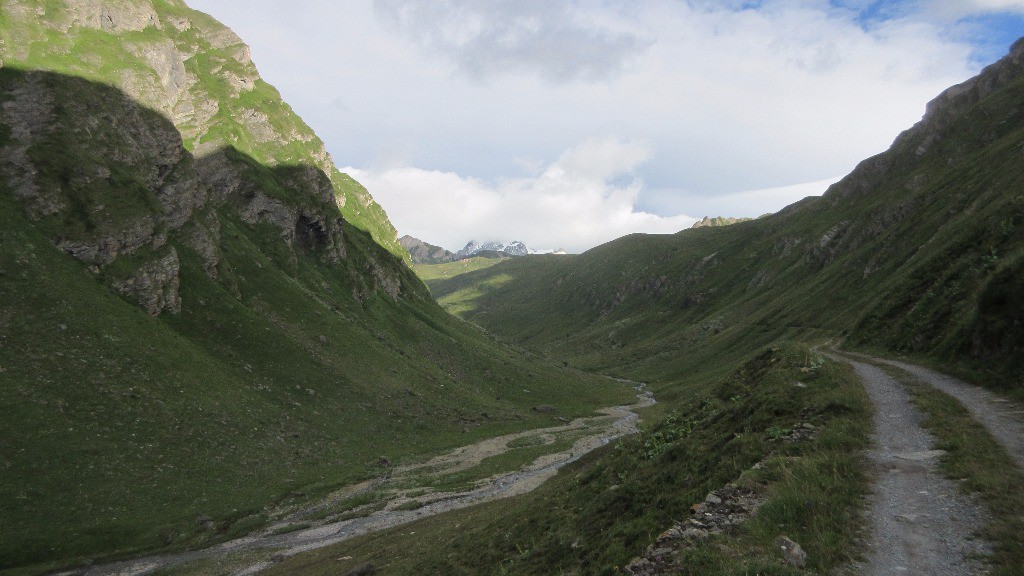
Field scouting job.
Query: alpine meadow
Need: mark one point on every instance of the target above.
(217, 357)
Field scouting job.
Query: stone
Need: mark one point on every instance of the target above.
(362, 570)
(204, 523)
(792, 553)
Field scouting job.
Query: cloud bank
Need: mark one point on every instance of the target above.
(475, 104)
(584, 198)
(556, 40)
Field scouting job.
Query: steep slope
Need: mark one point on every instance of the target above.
(920, 249)
(191, 333)
(191, 69)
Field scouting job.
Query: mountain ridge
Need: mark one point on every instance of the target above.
(915, 250)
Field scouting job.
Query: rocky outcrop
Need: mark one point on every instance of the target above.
(707, 222)
(423, 253)
(721, 512)
(111, 183)
(192, 70)
(27, 111)
(154, 285)
(110, 15)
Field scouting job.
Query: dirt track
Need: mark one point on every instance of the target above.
(1002, 418)
(919, 521)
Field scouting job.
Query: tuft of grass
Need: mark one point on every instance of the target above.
(291, 528)
(410, 505)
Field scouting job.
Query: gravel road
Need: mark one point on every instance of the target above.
(1004, 419)
(919, 522)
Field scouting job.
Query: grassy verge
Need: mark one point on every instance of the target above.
(984, 467)
(605, 509)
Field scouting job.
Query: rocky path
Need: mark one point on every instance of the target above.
(1002, 418)
(920, 523)
(251, 554)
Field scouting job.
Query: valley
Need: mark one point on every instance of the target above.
(218, 357)
(467, 476)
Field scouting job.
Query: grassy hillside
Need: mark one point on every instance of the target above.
(191, 335)
(919, 250)
(604, 510)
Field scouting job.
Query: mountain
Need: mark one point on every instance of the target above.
(474, 248)
(423, 253)
(919, 250)
(202, 321)
(717, 221)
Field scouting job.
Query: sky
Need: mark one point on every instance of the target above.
(568, 124)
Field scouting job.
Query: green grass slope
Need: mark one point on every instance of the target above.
(919, 250)
(604, 510)
(189, 342)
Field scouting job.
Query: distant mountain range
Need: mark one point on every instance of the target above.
(425, 253)
(514, 248)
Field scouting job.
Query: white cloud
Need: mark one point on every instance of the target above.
(586, 197)
(746, 203)
(954, 9)
(481, 98)
(554, 39)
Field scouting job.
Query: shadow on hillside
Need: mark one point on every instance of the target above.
(106, 177)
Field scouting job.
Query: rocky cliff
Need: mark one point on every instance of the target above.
(198, 75)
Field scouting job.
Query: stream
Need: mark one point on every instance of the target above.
(262, 549)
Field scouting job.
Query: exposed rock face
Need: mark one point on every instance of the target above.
(109, 178)
(925, 136)
(112, 15)
(423, 253)
(192, 70)
(104, 176)
(708, 222)
(154, 285)
(27, 111)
